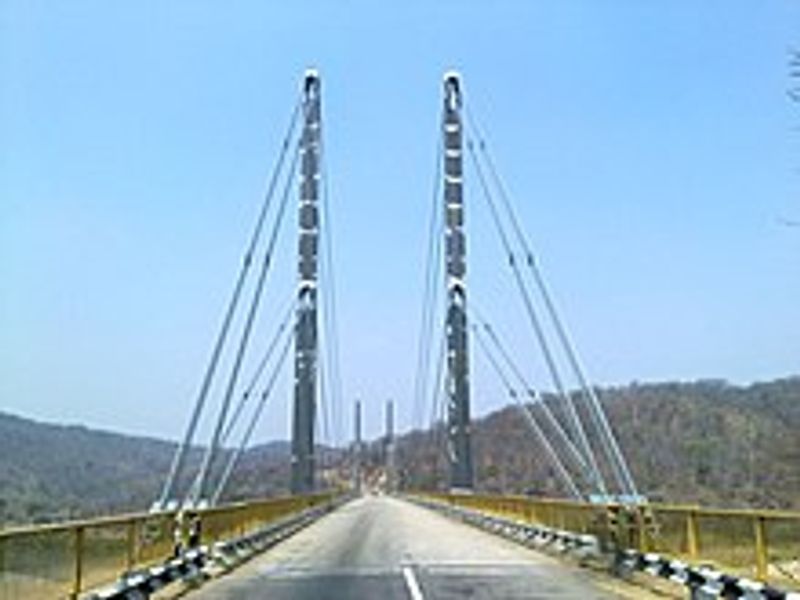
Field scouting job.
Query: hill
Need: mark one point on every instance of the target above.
(51, 472)
(708, 441)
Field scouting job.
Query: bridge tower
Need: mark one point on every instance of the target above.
(305, 364)
(389, 448)
(357, 448)
(457, 383)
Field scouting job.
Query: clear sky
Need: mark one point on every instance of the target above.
(650, 147)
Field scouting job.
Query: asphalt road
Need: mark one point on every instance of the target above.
(381, 548)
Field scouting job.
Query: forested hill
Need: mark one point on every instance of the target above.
(708, 441)
(51, 472)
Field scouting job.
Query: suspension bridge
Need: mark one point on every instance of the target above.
(347, 535)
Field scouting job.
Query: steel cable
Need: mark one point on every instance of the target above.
(430, 294)
(235, 456)
(569, 482)
(544, 346)
(616, 458)
(179, 459)
(198, 492)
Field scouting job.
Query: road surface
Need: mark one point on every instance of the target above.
(382, 548)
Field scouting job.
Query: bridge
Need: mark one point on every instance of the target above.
(364, 533)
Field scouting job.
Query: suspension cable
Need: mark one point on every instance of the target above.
(234, 459)
(442, 431)
(324, 403)
(536, 324)
(327, 377)
(282, 326)
(438, 381)
(331, 316)
(179, 459)
(533, 393)
(199, 491)
(430, 294)
(245, 397)
(567, 479)
(617, 459)
(436, 402)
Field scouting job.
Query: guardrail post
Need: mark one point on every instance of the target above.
(240, 518)
(692, 535)
(762, 556)
(528, 511)
(77, 581)
(131, 542)
(646, 523)
(641, 530)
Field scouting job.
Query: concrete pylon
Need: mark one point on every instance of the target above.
(389, 449)
(357, 450)
(305, 364)
(457, 383)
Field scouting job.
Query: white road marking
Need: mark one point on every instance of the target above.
(412, 584)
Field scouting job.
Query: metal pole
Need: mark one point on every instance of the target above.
(692, 535)
(457, 385)
(357, 447)
(762, 554)
(306, 325)
(131, 544)
(390, 447)
(77, 578)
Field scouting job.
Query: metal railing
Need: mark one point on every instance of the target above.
(66, 559)
(759, 544)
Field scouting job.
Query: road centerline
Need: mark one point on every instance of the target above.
(412, 584)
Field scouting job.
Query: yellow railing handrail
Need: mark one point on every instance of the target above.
(137, 540)
(125, 518)
(766, 513)
(722, 536)
(64, 526)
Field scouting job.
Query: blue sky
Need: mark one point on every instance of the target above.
(649, 147)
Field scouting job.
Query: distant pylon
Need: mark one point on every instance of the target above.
(389, 449)
(357, 475)
(305, 384)
(457, 382)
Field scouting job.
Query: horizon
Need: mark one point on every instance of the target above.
(379, 435)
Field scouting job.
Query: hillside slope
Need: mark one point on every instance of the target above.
(51, 472)
(708, 442)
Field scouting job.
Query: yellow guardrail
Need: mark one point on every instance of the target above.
(760, 544)
(66, 559)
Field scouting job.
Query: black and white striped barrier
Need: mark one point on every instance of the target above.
(202, 562)
(141, 584)
(581, 546)
(704, 583)
(229, 554)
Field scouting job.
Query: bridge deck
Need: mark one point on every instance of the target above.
(379, 547)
